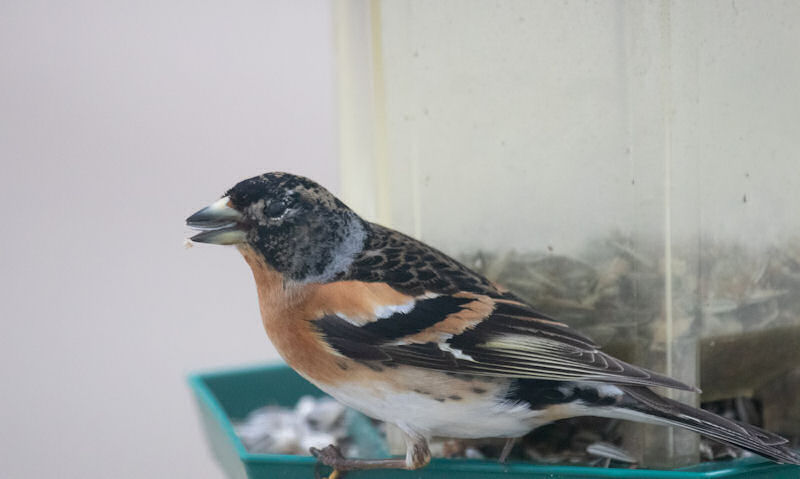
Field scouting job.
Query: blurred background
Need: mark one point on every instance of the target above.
(117, 121)
(631, 167)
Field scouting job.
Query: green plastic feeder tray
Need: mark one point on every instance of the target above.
(226, 396)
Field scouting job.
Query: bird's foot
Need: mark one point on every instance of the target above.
(330, 456)
(507, 447)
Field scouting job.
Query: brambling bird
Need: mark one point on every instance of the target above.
(406, 334)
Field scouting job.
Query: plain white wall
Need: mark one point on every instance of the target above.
(117, 120)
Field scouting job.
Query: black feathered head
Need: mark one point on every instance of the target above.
(299, 227)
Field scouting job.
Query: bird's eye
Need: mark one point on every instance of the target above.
(275, 209)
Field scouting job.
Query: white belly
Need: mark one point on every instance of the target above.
(469, 416)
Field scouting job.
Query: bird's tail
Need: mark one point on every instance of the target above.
(657, 409)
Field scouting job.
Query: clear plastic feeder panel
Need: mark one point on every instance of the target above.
(631, 168)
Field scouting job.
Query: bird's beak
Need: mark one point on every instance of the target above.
(220, 223)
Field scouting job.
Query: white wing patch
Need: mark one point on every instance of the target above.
(384, 311)
(353, 321)
(457, 353)
(603, 390)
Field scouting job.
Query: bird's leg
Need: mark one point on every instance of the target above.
(331, 456)
(507, 447)
(417, 455)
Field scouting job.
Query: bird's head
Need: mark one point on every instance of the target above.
(297, 226)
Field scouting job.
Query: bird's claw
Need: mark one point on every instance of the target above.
(329, 455)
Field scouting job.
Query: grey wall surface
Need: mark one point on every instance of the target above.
(117, 120)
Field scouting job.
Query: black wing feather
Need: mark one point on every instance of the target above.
(565, 356)
(514, 340)
(425, 314)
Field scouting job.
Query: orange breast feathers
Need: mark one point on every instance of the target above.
(288, 309)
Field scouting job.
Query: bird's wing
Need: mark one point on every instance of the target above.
(481, 334)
